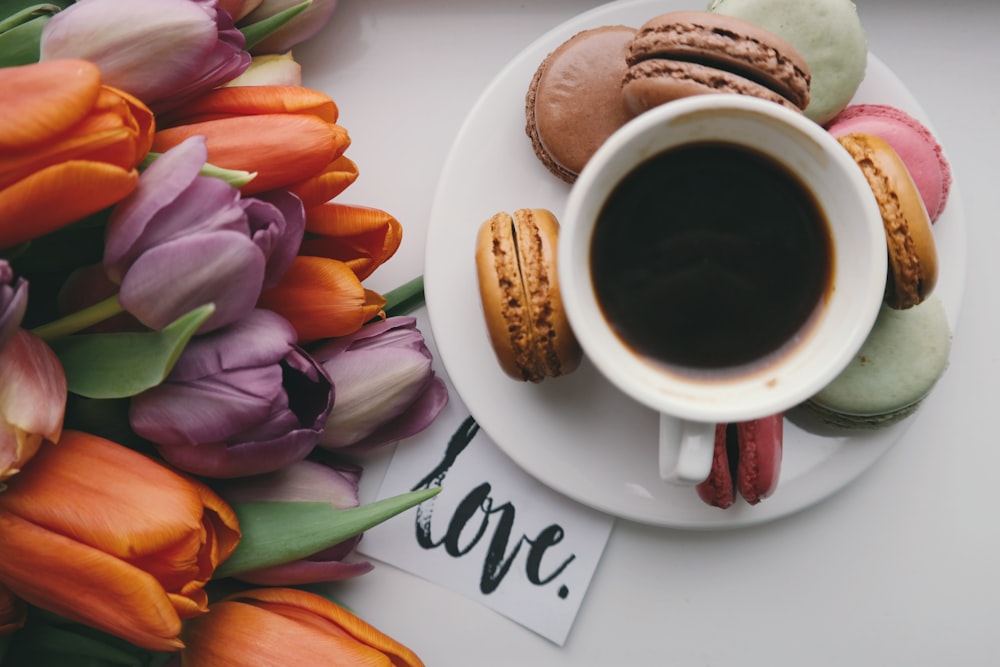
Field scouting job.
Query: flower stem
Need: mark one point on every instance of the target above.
(80, 320)
(406, 298)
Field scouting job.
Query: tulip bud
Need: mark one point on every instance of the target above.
(303, 481)
(274, 627)
(32, 400)
(296, 31)
(242, 400)
(386, 388)
(164, 52)
(181, 240)
(105, 536)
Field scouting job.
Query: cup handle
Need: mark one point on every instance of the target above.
(686, 450)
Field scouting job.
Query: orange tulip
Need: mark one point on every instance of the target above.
(274, 627)
(361, 237)
(12, 611)
(321, 188)
(69, 146)
(322, 298)
(105, 536)
(286, 134)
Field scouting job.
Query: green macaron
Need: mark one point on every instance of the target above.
(896, 368)
(828, 34)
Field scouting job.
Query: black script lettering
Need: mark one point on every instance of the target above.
(478, 504)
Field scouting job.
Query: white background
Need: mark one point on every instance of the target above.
(898, 569)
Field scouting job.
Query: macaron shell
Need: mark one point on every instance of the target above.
(898, 365)
(912, 140)
(557, 350)
(910, 240)
(828, 34)
(718, 489)
(761, 443)
(726, 43)
(573, 103)
(504, 302)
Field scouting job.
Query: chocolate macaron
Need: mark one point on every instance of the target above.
(519, 290)
(574, 100)
(686, 53)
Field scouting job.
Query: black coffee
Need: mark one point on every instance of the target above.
(710, 256)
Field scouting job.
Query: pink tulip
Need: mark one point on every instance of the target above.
(13, 302)
(32, 400)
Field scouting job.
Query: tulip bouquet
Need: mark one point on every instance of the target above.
(188, 354)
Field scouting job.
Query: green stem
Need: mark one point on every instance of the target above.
(405, 298)
(235, 177)
(80, 320)
(27, 14)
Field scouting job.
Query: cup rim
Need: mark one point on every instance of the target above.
(740, 397)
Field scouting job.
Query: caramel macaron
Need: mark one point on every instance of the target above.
(913, 263)
(573, 103)
(519, 289)
(686, 53)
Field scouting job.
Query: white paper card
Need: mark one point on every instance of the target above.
(493, 533)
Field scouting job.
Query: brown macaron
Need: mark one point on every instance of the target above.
(574, 100)
(913, 264)
(686, 53)
(519, 288)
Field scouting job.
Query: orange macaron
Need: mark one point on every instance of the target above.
(913, 264)
(519, 289)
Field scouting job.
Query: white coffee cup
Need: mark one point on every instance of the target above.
(691, 401)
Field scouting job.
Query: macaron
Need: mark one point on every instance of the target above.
(827, 33)
(574, 101)
(896, 368)
(913, 265)
(519, 291)
(686, 53)
(911, 139)
(747, 460)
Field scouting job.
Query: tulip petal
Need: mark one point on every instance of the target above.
(238, 101)
(362, 237)
(223, 461)
(324, 186)
(97, 589)
(32, 400)
(277, 223)
(418, 416)
(302, 481)
(261, 338)
(225, 268)
(58, 195)
(50, 98)
(149, 49)
(302, 572)
(322, 298)
(281, 148)
(12, 612)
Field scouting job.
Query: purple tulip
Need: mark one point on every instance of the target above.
(386, 388)
(243, 400)
(13, 302)
(181, 240)
(165, 52)
(306, 481)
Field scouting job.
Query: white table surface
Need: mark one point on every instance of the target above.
(900, 568)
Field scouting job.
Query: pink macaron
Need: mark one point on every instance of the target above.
(916, 146)
(747, 461)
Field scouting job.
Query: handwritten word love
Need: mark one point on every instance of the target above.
(477, 513)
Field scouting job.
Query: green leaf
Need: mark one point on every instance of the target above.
(255, 33)
(21, 34)
(405, 298)
(118, 365)
(281, 532)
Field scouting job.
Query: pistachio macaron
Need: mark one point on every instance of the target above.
(519, 290)
(913, 263)
(896, 368)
